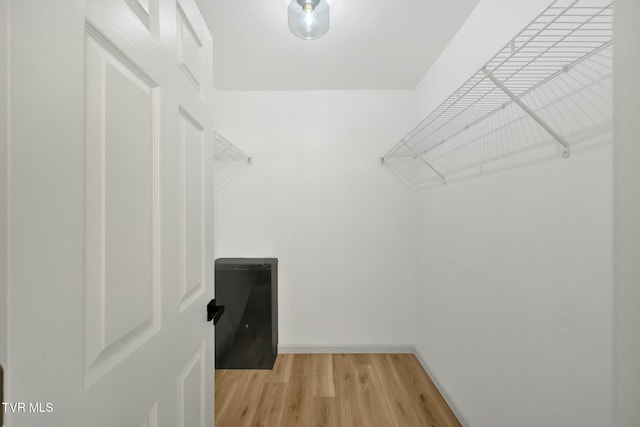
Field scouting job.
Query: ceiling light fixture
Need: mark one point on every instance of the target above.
(309, 19)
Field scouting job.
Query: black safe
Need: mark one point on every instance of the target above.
(247, 333)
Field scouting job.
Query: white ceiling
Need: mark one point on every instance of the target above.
(374, 44)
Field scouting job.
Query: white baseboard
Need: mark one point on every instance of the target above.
(379, 349)
(323, 349)
(443, 391)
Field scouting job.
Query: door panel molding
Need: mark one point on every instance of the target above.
(151, 420)
(192, 209)
(147, 11)
(190, 50)
(191, 390)
(122, 290)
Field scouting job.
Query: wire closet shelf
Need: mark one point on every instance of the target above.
(224, 151)
(228, 160)
(551, 84)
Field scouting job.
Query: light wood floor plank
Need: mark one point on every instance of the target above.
(298, 398)
(281, 369)
(269, 410)
(322, 382)
(244, 403)
(422, 393)
(405, 413)
(332, 390)
(345, 376)
(225, 389)
(325, 412)
(430, 397)
(374, 403)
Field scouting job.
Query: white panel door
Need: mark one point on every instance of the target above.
(110, 214)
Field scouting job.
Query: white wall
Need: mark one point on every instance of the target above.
(514, 290)
(627, 213)
(514, 280)
(315, 197)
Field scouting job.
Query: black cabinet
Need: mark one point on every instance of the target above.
(247, 334)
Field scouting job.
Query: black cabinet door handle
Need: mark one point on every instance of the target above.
(214, 312)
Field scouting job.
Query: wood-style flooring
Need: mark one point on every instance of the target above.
(325, 390)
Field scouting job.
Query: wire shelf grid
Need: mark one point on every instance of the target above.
(529, 92)
(228, 160)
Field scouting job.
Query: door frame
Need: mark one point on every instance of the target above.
(4, 199)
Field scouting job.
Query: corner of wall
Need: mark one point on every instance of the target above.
(453, 405)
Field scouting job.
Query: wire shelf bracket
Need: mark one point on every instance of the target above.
(429, 165)
(225, 151)
(563, 144)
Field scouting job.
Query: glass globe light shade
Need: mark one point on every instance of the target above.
(309, 19)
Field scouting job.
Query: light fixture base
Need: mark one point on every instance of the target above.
(303, 2)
